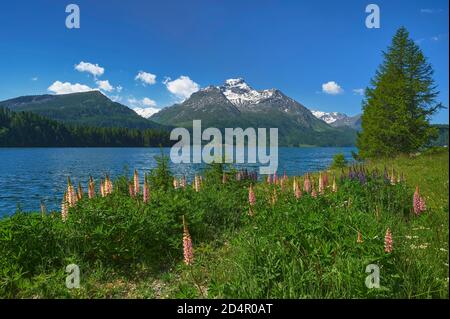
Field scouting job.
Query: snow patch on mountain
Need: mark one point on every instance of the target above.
(239, 93)
(328, 117)
(146, 112)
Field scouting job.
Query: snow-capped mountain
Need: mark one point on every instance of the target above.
(146, 112)
(239, 93)
(338, 119)
(236, 104)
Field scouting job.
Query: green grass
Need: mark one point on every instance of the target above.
(302, 248)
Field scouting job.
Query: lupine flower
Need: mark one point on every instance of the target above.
(325, 179)
(362, 178)
(285, 176)
(108, 185)
(334, 187)
(418, 202)
(282, 180)
(275, 178)
(307, 184)
(102, 188)
(269, 179)
(80, 192)
(297, 190)
(224, 178)
(321, 186)
(388, 243)
(197, 182)
(188, 252)
(71, 194)
(136, 182)
(183, 182)
(359, 240)
(91, 188)
(145, 192)
(64, 207)
(251, 196)
(175, 183)
(131, 189)
(392, 179)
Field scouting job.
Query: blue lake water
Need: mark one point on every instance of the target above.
(29, 175)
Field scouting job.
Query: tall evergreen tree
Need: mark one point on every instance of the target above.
(399, 103)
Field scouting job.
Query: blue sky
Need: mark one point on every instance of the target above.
(295, 46)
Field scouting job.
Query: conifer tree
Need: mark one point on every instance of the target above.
(398, 105)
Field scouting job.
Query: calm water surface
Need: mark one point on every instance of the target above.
(29, 175)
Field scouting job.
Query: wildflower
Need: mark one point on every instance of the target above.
(393, 177)
(80, 192)
(187, 245)
(388, 243)
(334, 187)
(175, 183)
(251, 196)
(108, 186)
(282, 181)
(136, 182)
(274, 196)
(131, 189)
(224, 178)
(71, 194)
(314, 193)
(269, 179)
(307, 184)
(197, 183)
(145, 191)
(359, 240)
(64, 207)
(43, 209)
(418, 202)
(183, 181)
(91, 188)
(321, 186)
(275, 178)
(325, 180)
(297, 189)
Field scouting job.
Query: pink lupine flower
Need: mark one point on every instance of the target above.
(334, 187)
(269, 179)
(282, 181)
(175, 183)
(285, 176)
(64, 208)
(388, 243)
(359, 239)
(275, 178)
(313, 192)
(251, 196)
(71, 194)
(325, 179)
(102, 188)
(188, 251)
(183, 182)
(136, 182)
(145, 192)
(307, 184)
(80, 192)
(131, 190)
(197, 183)
(297, 190)
(91, 188)
(418, 202)
(321, 186)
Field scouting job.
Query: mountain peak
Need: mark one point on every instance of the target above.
(239, 93)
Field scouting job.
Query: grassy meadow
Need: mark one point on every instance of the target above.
(250, 239)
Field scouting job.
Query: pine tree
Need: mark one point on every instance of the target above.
(399, 103)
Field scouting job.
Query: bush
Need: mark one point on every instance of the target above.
(339, 161)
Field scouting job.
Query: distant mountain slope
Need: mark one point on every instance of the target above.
(88, 109)
(236, 104)
(337, 119)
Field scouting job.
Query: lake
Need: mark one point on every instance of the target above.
(29, 175)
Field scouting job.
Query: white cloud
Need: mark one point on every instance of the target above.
(332, 88)
(148, 102)
(146, 112)
(119, 89)
(358, 91)
(146, 78)
(59, 87)
(34, 78)
(93, 69)
(104, 85)
(182, 87)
